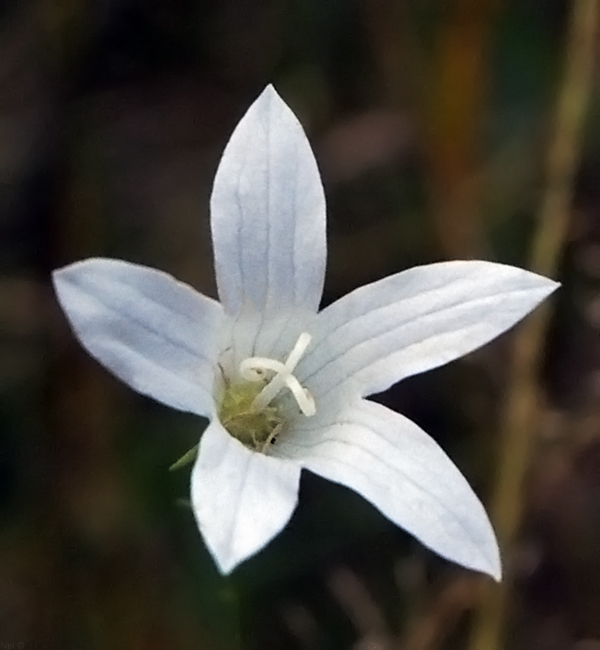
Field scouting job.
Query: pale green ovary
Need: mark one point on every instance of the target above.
(254, 428)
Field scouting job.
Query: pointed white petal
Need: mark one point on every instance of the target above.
(156, 334)
(414, 321)
(268, 216)
(396, 466)
(241, 499)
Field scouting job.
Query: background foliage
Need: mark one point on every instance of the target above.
(430, 122)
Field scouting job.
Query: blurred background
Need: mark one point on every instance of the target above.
(432, 123)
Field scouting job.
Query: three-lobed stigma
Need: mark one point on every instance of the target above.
(249, 408)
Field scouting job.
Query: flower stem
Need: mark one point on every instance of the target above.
(521, 405)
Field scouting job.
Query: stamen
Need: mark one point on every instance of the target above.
(252, 369)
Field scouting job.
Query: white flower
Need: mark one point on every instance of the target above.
(283, 385)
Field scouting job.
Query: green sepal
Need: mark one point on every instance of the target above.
(186, 459)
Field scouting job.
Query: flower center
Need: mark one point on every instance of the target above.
(256, 368)
(249, 409)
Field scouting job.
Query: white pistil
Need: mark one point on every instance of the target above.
(253, 369)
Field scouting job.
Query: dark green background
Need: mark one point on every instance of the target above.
(430, 122)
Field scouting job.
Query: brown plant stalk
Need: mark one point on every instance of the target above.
(521, 406)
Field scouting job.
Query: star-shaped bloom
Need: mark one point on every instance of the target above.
(283, 384)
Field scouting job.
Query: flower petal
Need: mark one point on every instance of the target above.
(396, 466)
(156, 334)
(414, 321)
(241, 499)
(268, 216)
